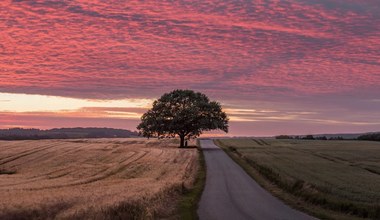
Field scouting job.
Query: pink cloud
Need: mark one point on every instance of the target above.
(244, 53)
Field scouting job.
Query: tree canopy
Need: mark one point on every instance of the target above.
(184, 113)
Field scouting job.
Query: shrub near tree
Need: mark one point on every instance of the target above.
(183, 113)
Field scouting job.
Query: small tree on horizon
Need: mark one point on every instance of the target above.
(184, 113)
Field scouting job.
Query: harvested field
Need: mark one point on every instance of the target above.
(342, 176)
(93, 178)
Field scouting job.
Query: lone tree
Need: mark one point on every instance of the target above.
(184, 113)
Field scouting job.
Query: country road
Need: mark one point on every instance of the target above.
(231, 194)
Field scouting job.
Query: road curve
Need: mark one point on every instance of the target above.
(231, 194)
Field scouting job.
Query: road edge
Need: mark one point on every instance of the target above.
(188, 205)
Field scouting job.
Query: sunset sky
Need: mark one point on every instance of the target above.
(277, 67)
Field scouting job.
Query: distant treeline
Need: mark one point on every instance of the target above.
(368, 137)
(64, 133)
(308, 137)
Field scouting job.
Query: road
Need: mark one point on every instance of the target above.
(231, 194)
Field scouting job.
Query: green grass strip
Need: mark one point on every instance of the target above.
(189, 203)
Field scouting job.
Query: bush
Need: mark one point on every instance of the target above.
(284, 137)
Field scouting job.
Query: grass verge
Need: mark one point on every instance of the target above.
(291, 195)
(189, 202)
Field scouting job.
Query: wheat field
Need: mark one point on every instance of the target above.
(341, 175)
(93, 178)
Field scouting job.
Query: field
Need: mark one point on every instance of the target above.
(337, 175)
(94, 178)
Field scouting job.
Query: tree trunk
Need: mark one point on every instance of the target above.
(182, 143)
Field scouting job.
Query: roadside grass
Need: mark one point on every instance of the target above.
(328, 179)
(189, 203)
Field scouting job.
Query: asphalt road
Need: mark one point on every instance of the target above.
(233, 195)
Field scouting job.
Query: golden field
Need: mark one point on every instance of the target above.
(93, 178)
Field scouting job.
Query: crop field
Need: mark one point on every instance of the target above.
(338, 175)
(93, 178)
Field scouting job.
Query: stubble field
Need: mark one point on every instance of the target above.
(93, 178)
(343, 176)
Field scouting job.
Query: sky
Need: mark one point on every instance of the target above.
(276, 66)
